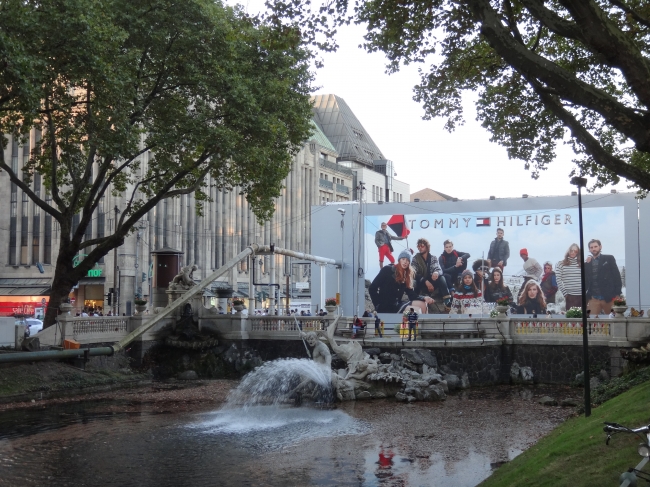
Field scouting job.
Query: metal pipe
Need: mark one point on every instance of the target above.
(54, 354)
(194, 290)
(265, 249)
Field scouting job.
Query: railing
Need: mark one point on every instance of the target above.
(324, 183)
(562, 327)
(284, 323)
(81, 326)
(336, 167)
(342, 189)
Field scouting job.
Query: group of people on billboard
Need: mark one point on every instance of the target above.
(445, 284)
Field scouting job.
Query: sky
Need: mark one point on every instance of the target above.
(423, 151)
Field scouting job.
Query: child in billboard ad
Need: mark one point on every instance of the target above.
(545, 237)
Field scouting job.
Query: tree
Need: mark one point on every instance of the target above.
(206, 89)
(543, 69)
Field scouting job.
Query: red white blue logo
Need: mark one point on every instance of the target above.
(482, 222)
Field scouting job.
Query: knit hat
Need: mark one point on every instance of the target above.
(404, 254)
(466, 272)
(523, 252)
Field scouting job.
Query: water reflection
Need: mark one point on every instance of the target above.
(377, 443)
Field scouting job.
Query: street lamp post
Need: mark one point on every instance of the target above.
(342, 212)
(581, 183)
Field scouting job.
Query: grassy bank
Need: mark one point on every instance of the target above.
(575, 454)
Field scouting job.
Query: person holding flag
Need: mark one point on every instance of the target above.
(383, 239)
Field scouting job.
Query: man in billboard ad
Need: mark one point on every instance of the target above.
(499, 251)
(428, 274)
(545, 234)
(453, 263)
(384, 247)
(603, 280)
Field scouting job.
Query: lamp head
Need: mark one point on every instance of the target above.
(341, 211)
(578, 181)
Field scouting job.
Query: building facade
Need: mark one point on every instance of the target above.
(319, 175)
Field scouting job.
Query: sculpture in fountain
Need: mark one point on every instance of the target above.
(410, 376)
(183, 281)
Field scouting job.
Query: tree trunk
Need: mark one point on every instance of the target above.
(65, 277)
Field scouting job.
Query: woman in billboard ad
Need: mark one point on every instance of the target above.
(392, 283)
(544, 234)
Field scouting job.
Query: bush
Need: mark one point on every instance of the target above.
(330, 302)
(574, 313)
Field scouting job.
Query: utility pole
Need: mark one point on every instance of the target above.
(116, 290)
(360, 272)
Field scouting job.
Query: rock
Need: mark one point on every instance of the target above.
(411, 355)
(415, 392)
(188, 375)
(411, 399)
(568, 403)
(603, 375)
(594, 382)
(337, 362)
(547, 401)
(364, 395)
(526, 375)
(385, 358)
(444, 385)
(426, 369)
(435, 393)
(395, 357)
(417, 384)
(428, 358)
(453, 381)
(446, 370)
(464, 381)
(433, 378)
(515, 376)
(31, 344)
(401, 397)
(373, 352)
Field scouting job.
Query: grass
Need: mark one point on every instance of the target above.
(575, 454)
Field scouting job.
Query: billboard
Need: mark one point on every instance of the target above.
(545, 235)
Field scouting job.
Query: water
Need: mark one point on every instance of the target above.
(279, 381)
(372, 444)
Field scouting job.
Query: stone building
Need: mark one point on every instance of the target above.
(319, 175)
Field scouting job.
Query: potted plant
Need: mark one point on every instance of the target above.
(140, 305)
(619, 306)
(503, 305)
(330, 305)
(238, 304)
(574, 312)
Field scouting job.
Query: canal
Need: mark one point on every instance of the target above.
(132, 441)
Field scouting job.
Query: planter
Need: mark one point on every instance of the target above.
(140, 308)
(619, 310)
(238, 307)
(330, 309)
(502, 310)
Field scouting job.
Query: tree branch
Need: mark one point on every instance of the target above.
(590, 143)
(535, 67)
(629, 10)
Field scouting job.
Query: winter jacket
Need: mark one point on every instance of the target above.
(499, 251)
(424, 269)
(609, 282)
(448, 262)
(530, 307)
(493, 295)
(386, 293)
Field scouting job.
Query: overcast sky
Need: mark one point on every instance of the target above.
(463, 164)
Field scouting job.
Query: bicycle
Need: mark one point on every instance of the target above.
(629, 478)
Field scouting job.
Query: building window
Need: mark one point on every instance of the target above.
(24, 235)
(47, 233)
(101, 221)
(36, 221)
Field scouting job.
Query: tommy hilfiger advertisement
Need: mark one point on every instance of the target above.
(458, 263)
